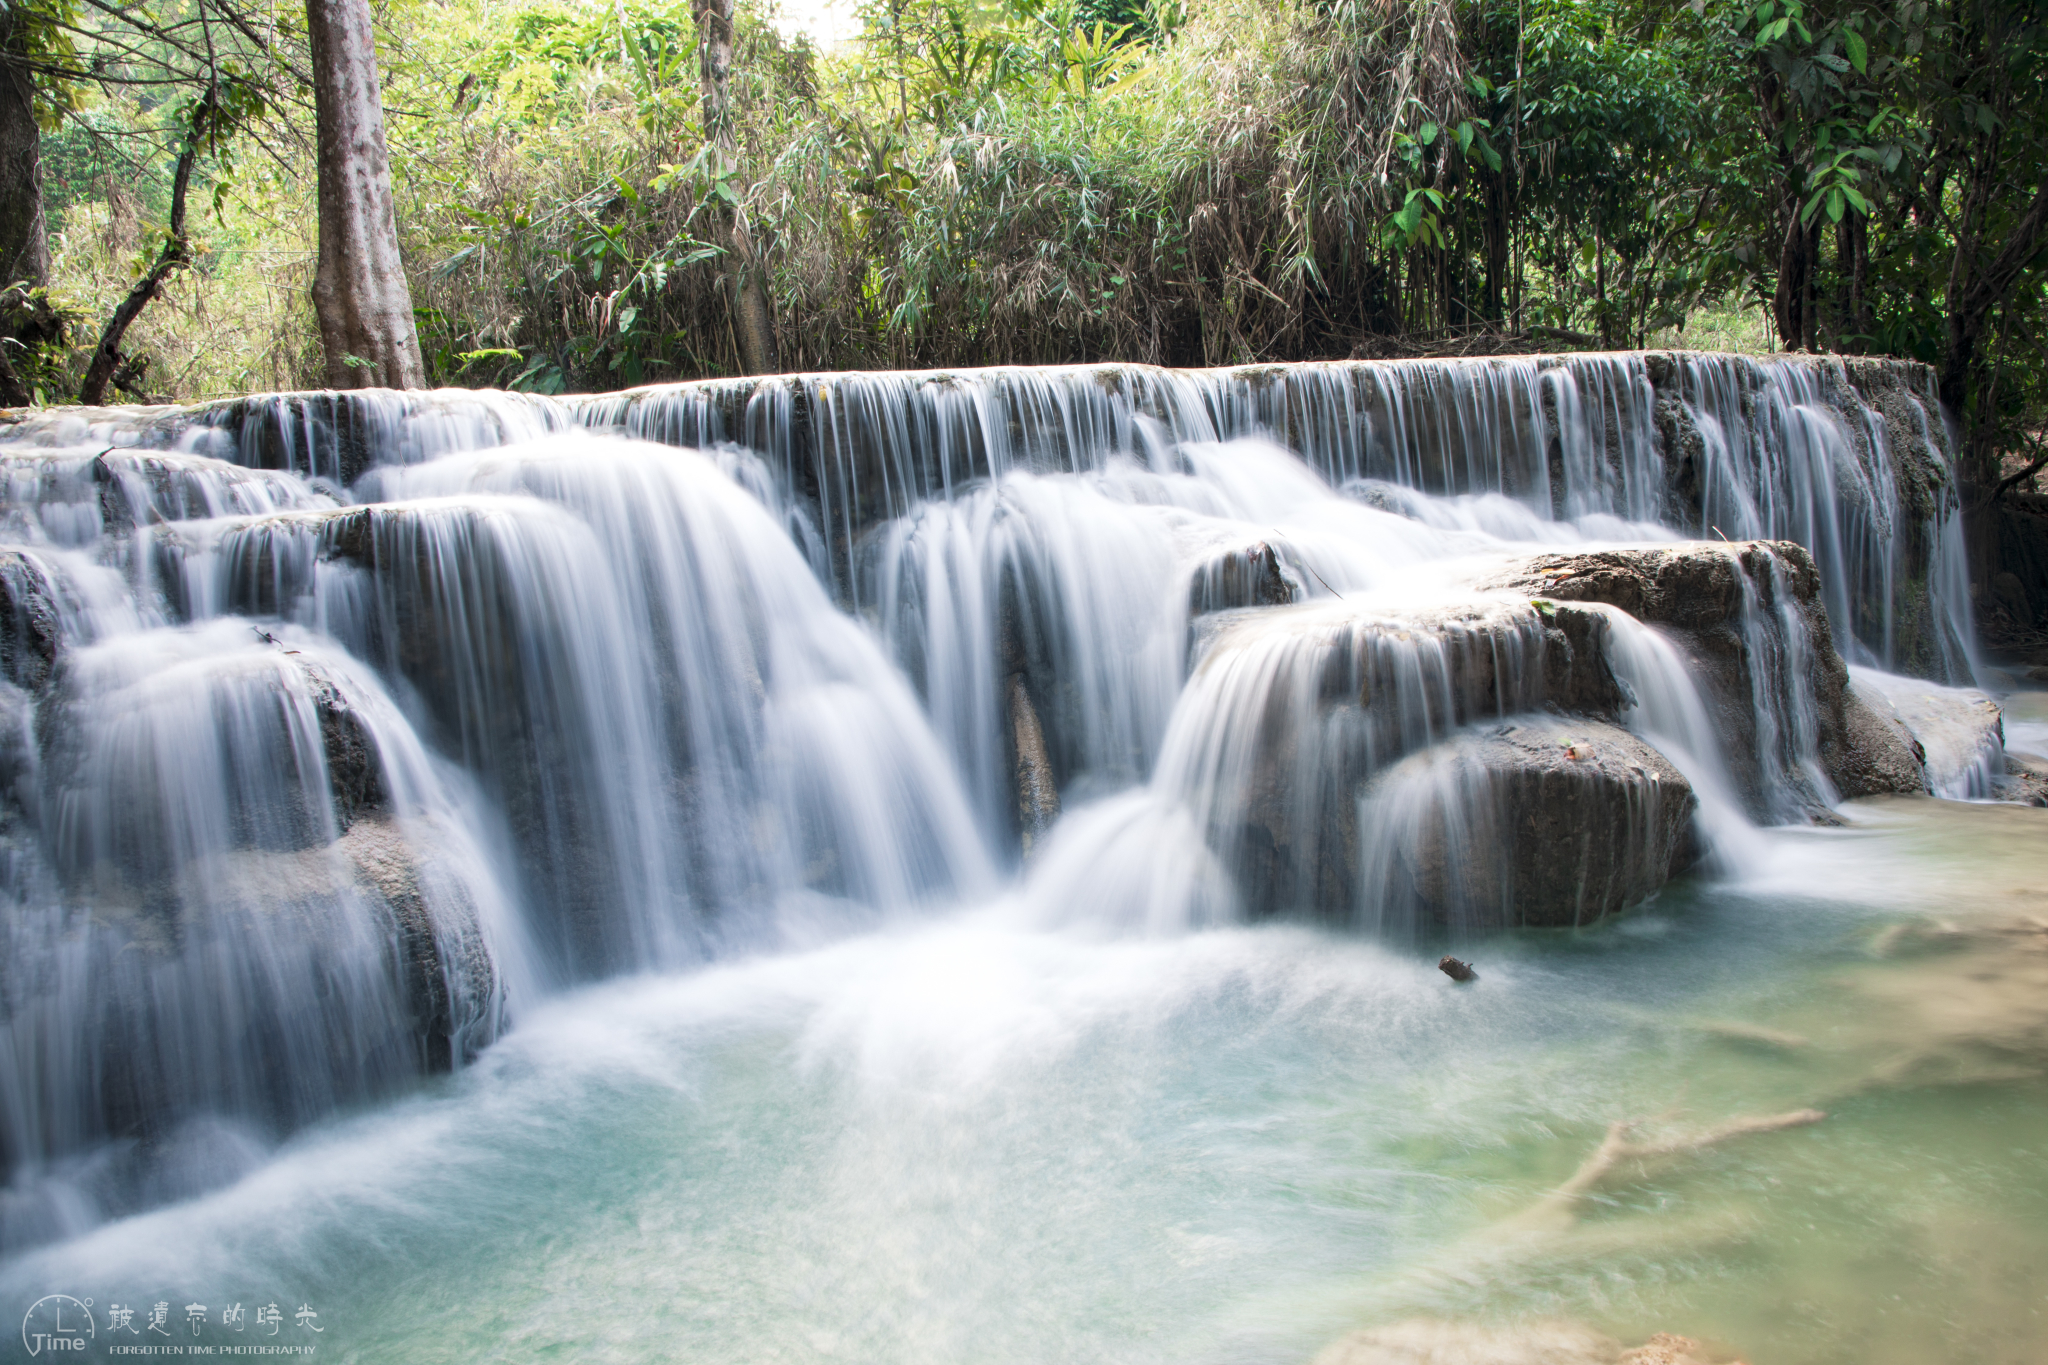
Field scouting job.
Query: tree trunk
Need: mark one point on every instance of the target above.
(24, 235)
(359, 289)
(1853, 246)
(753, 324)
(1788, 302)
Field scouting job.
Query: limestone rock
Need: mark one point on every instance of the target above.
(1535, 822)
(1959, 731)
(1431, 1341)
(29, 629)
(1667, 1348)
(2025, 781)
(1427, 1341)
(1748, 617)
(1251, 576)
(1330, 693)
(450, 980)
(354, 771)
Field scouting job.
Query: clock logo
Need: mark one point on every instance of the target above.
(57, 1322)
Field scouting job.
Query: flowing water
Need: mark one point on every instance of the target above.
(758, 872)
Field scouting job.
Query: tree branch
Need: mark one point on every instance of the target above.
(176, 253)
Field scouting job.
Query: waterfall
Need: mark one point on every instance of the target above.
(336, 730)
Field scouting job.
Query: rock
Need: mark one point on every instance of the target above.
(1249, 577)
(1038, 796)
(2025, 781)
(1747, 616)
(1456, 970)
(1430, 1341)
(30, 627)
(1426, 1341)
(2010, 592)
(1535, 822)
(1958, 731)
(354, 771)
(1878, 753)
(1667, 1349)
(443, 959)
(2038, 673)
(1315, 699)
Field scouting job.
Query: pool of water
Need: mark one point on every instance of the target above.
(970, 1139)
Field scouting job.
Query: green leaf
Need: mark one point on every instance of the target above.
(1859, 51)
(1427, 134)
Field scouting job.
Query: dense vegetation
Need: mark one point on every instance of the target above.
(966, 182)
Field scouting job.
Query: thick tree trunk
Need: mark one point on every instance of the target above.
(753, 323)
(1789, 302)
(24, 236)
(359, 288)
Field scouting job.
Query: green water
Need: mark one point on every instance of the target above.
(966, 1140)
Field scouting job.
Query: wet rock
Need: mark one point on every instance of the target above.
(1038, 796)
(1426, 1341)
(354, 771)
(1323, 696)
(1888, 411)
(1251, 576)
(1430, 1341)
(1878, 751)
(1667, 1348)
(449, 978)
(2025, 781)
(29, 623)
(1748, 617)
(1959, 732)
(1536, 822)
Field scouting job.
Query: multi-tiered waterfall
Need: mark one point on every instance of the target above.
(341, 729)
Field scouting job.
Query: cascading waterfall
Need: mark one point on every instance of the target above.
(340, 728)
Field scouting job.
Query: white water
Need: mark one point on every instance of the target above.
(623, 726)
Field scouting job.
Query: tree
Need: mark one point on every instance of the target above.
(753, 323)
(359, 287)
(205, 126)
(29, 42)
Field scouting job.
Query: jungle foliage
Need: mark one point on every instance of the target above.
(1176, 181)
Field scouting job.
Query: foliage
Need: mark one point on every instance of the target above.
(1179, 181)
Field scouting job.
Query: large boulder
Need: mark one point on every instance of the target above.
(1308, 705)
(1959, 732)
(1747, 616)
(1538, 821)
